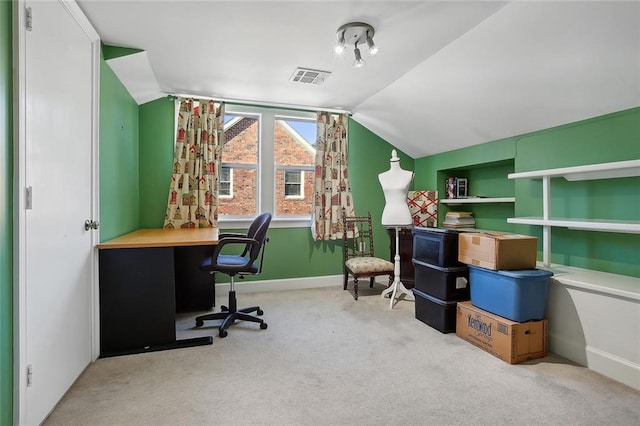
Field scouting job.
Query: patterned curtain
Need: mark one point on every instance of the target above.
(332, 194)
(193, 195)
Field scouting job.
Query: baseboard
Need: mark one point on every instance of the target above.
(612, 366)
(282, 284)
(568, 349)
(603, 362)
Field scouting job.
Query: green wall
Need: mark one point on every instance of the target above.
(613, 137)
(368, 156)
(6, 216)
(119, 153)
(156, 159)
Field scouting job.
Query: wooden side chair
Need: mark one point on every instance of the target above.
(359, 255)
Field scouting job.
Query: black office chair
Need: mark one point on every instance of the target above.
(249, 262)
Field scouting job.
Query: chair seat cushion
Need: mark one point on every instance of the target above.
(229, 263)
(366, 265)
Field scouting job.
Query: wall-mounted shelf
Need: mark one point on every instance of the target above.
(619, 169)
(477, 200)
(629, 226)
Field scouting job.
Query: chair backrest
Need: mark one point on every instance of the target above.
(357, 235)
(258, 231)
(249, 262)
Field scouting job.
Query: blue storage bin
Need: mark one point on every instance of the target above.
(517, 295)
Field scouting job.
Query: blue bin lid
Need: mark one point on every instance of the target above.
(520, 273)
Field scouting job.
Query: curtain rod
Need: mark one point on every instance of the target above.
(258, 103)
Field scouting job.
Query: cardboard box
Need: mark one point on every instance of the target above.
(511, 341)
(498, 251)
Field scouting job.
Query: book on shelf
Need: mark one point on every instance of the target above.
(460, 221)
(458, 214)
(458, 226)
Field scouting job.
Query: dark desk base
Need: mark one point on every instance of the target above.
(138, 293)
(184, 343)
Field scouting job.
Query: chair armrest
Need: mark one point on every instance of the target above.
(245, 241)
(230, 234)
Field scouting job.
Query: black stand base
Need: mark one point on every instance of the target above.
(231, 314)
(184, 343)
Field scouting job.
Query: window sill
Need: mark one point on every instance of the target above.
(276, 222)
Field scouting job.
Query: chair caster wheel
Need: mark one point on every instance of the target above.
(199, 323)
(223, 333)
(260, 312)
(263, 326)
(224, 308)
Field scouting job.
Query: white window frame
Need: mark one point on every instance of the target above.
(224, 166)
(300, 195)
(266, 172)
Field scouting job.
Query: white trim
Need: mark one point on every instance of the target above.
(300, 195)
(258, 104)
(276, 222)
(230, 195)
(478, 200)
(19, 237)
(605, 363)
(95, 189)
(281, 284)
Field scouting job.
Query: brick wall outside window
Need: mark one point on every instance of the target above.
(241, 147)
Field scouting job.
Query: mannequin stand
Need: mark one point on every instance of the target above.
(397, 287)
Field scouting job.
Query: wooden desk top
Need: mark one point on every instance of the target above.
(163, 238)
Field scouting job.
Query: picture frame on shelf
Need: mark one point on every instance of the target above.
(462, 188)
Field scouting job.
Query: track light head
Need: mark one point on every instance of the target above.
(373, 49)
(359, 62)
(340, 47)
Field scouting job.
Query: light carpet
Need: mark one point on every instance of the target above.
(327, 359)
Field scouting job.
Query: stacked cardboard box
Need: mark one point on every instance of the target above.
(510, 341)
(505, 316)
(498, 250)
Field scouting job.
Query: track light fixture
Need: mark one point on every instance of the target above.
(359, 62)
(355, 33)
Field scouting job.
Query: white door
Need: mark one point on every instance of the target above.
(57, 280)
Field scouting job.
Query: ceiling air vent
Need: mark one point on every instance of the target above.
(309, 76)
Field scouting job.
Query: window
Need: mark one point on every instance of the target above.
(240, 158)
(225, 183)
(270, 155)
(293, 187)
(294, 154)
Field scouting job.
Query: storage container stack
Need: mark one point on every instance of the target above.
(505, 316)
(458, 220)
(441, 281)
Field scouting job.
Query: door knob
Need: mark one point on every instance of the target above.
(91, 224)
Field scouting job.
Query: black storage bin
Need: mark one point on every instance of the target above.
(436, 246)
(439, 314)
(443, 283)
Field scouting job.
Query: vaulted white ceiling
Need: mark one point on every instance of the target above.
(449, 74)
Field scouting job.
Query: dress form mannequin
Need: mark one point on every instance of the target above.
(395, 185)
